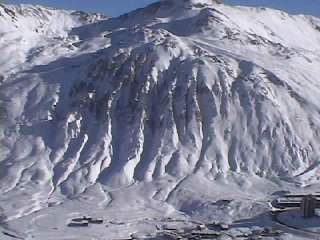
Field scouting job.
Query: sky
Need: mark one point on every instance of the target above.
(117, 7)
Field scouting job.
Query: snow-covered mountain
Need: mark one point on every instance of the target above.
(26, 29)
(181, 101)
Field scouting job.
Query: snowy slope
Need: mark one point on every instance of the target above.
(178, 104)
(26, 29)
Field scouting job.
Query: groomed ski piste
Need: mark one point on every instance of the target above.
(160, 122)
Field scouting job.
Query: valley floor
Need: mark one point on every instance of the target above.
(139, 212)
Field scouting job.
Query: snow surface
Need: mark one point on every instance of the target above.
(154, 118)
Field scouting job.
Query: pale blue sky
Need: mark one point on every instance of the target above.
(117, 7)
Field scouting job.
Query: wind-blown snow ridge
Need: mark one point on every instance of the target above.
(206, 91)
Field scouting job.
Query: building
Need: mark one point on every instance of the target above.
(308, 206)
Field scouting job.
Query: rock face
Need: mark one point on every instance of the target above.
(165, 91)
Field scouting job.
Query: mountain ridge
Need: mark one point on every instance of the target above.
(213, 94)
